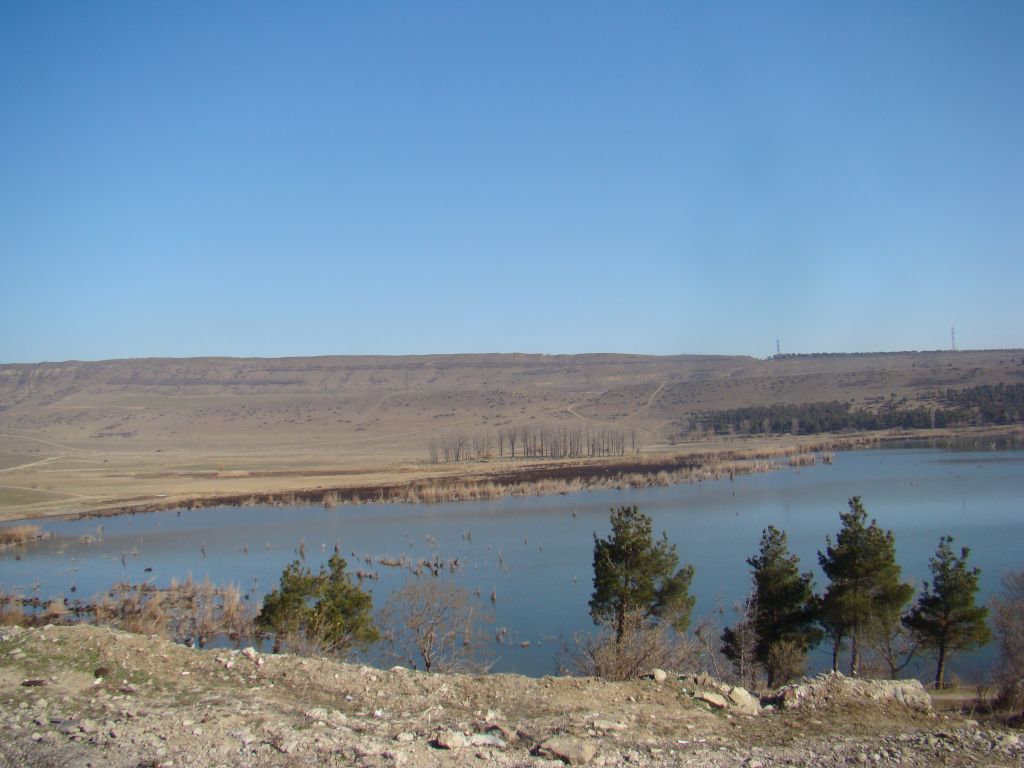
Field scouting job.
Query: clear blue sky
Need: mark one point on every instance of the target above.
(305, 178)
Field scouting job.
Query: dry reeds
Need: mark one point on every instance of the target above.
(15, 535)
(12, 610)
(188, 612)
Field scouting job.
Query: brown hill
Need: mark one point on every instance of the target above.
(86, 435)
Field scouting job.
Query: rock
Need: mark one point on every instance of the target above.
(609, 725)
(716, 700)
(87, 726)
(486, 740)
(250, 653)
(741, 701)
(449, 739)
(405, 736)
(499, 730)
(569, 750)
(659, 675)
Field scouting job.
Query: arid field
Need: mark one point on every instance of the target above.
(97, 436)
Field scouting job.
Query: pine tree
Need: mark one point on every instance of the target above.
(286, 608)
(325, 610)
(635, 578)
(785, 604)
(865, 595)
(945, 616)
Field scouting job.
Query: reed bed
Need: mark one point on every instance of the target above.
(189, 612)
(16, 535)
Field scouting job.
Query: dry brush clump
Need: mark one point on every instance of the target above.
(641, 648)
(12, 610)
(1008, 621)
(188, 612)
(16, 535)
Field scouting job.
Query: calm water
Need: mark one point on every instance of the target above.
(535, 552)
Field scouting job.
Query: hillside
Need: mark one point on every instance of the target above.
(79, 436)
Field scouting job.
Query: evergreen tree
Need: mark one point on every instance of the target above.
(635, 578)
(785, 605)
(865, 595)
(325, 610)
(945, 616)
(286, 608)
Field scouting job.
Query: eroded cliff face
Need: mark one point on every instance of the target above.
(80, 696)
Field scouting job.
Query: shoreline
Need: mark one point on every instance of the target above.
(703, 461)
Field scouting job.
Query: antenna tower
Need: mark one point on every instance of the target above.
(952, 337)
(778, 349)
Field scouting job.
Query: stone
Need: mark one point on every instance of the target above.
(741, 701)
(569, 750)
(486, 740)
(716, 700)
(609, 725)
(250, 653)
(449, 739)
(659, 675)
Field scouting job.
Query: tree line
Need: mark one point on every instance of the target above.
(976, 406)
(641, 599)
(526, 442)
(639, 589)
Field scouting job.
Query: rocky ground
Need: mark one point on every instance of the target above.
(86, 696)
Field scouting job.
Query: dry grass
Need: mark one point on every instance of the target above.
(641, 649)
(12, 610)
(92, 437)
(16, 535)
(188, 612)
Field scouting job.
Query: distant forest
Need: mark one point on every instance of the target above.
(975, 406)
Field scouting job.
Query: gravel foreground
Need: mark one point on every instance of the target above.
(84, 696)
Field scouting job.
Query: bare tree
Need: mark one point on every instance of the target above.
(739, 642)
(432, 623)
(1008, 619)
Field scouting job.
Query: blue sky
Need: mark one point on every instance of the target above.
(273, 179)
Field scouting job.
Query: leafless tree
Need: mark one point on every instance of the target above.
(1008, 620)
(431, 623)
(740, 642)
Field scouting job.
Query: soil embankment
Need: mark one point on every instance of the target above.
(81, 696)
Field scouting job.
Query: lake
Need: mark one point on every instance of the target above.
(535, 552)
